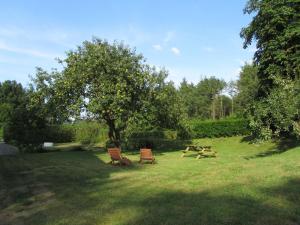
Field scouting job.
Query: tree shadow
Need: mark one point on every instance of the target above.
(281, 146)
(173, 145)
(248, 139)
(31, 190)
(162, 147)
(216, 207)
(75, 188)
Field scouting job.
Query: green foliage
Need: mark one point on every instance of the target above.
(275, 28)
(90, 133)
(219, 128)
(12, 95)
(276, 115)
(23, 125)
(247, 86)
(204, 100)
(150, 139)
(43, 96)
(84, 132)
(61, 133)
(110, 82)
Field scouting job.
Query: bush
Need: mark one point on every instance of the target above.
(84, 132)
(90, 133)
(219, 128)
(60, 133)
(150, 139)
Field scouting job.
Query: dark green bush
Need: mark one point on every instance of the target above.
(219, 128)
(61, 133)
(150, 139)
(84, 132)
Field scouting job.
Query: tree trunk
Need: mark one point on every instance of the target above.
(213, 113)
(231, 106)
(113, 133)
(221, 108)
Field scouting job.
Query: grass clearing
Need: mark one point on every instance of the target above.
(245, 184)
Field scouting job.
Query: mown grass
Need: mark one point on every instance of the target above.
(245, 184)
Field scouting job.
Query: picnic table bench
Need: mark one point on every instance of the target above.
(202, 151)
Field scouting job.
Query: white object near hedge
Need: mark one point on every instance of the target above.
(48, 144)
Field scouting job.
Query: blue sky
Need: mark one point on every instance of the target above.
(191, 39)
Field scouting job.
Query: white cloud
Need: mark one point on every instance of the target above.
(208, 49)
(169, 36)
(26, 51)
(175, 51)
(157, 47)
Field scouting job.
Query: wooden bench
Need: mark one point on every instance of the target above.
(202, 151)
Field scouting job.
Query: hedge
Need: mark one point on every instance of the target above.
(151, 139)
(83, 132)
(219, 128)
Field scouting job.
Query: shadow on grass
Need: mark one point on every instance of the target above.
(281, 146)
(33, 186)
(216, 207)
(248, 139)
(78, 188)
(163, 147)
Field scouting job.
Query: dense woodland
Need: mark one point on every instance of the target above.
(112, 85)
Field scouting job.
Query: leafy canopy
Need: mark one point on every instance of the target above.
(276, 30)
(108, 82)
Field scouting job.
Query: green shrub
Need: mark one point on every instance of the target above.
(90, 133)
(219, 128)
(84, 132)
(61, 133)
(150, 139)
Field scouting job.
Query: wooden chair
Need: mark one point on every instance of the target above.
(146, 154)
(115, 155)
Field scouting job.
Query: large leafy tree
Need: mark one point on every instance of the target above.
(42, 97)
(108, 82)
(12, 96)
(190, 98)
(247, 86)
(22, 124)
(275, 29)
(210, 89)
(203, 100)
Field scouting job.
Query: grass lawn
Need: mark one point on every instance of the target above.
(245, 184)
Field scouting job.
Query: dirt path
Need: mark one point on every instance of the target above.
(6, 149)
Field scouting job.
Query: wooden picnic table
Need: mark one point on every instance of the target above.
(202, 151)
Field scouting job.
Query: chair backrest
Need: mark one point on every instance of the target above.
(146, 153)
(115, 153)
